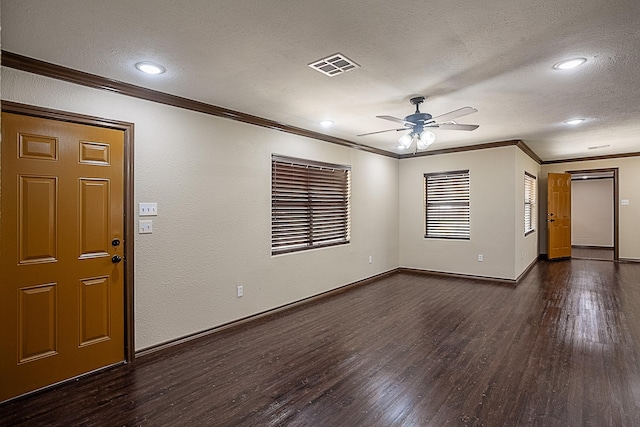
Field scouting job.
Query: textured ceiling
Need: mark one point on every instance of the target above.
(252, 56)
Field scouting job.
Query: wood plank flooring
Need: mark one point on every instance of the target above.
(560, 349)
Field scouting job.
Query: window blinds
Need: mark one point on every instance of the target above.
(447, 205)
(310, 204)
(529, 203)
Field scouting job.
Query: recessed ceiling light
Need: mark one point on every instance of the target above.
(150, 68)
(326, 123)
(570, 63)
(574, 121)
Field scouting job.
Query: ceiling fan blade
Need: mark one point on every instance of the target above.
(451, 126)
(397, 120)
(381, 131)
(455, 114)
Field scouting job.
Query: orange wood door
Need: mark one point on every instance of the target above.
(559, 215)
(61, 294)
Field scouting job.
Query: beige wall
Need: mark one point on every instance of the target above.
(629, 215)
(497, 211)
(526, 247)
(211, 179)
(592, 212)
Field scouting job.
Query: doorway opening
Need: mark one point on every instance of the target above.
(594, 214)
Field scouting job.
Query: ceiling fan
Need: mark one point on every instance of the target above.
(419, 123)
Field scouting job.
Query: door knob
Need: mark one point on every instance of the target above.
(116, 259)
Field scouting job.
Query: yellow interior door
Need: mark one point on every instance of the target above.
(61, 289)
(559, 215)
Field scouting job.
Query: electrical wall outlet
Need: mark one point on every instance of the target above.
(240, 291)
(480, 258)
(370, 259)
(145, 226)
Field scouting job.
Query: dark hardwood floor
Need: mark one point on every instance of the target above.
(560, 349)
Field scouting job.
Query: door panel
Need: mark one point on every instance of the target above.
(559, 215)
(94, 307)
(38, 147)
(94, 153)
(37, 224)
(95, 236)
(37, 325)
(61, 296)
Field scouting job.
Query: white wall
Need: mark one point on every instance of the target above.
(592, 212)
(526, 247)
(497, 209)
(211, 179)
(629, 215)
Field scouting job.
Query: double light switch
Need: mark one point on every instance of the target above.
(145, 226)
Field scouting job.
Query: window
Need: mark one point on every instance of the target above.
(447, 205)
(529, 203)
(310, 204)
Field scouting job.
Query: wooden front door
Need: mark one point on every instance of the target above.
(62, 221)
(559, 215)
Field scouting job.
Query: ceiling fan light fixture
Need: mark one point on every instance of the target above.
(406, 140)
(425, 140)
(417, 123)
(569, 63)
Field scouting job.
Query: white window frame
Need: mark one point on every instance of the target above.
(447, 201)
(530, 198)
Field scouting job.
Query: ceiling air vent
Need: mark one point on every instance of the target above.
(334, 65)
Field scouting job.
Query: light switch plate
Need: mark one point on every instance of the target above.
(145, 226)
(148, 209)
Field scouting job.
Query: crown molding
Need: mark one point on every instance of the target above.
(47, 69)
(529, 152)
(588, 159)
(515, 142)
